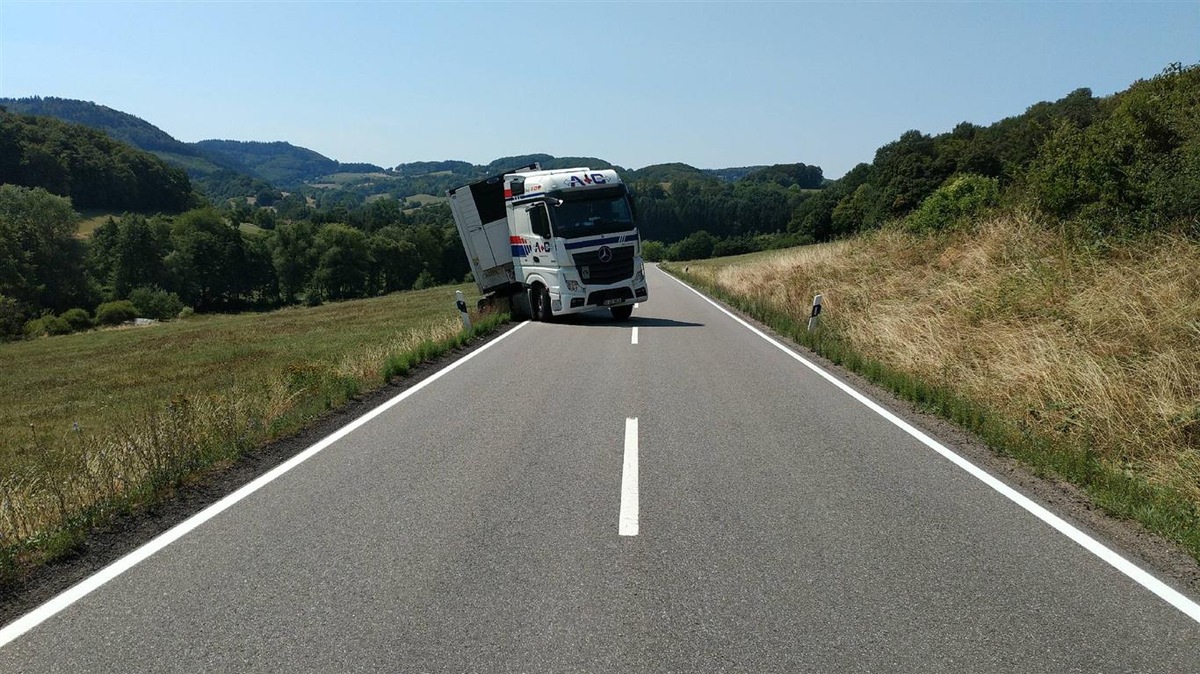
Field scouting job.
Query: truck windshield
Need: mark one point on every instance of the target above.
(584, 217)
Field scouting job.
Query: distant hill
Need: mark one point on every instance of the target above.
(229, 169)
(732, 175)
(118, 125)
(279, 163)
(666, 173)
(420, 168)
(547, 162)
(219, 164)
(788, 175)
(214, 177)
(121, 126)
(93, 169)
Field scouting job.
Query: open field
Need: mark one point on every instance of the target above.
(425, 199)
(342, 179)
(90, 221)
(115, 416)
(188, 162)
(251, 229)
(1083, 362)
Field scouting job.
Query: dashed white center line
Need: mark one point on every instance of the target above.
(628, 524)
(634, 339)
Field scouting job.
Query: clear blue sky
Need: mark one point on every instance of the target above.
(712, 84)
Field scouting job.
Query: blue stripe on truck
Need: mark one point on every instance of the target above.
(585, 244)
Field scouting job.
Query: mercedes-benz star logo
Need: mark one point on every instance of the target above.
(605, 254)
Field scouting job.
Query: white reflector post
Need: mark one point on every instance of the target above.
(461, 303)
(813, 318)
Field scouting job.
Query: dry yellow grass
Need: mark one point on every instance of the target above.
(107, 420)
(89, 224)
(1092, 346)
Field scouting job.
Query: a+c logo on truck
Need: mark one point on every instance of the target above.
(587, 179)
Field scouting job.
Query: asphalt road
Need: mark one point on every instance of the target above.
(476, 526)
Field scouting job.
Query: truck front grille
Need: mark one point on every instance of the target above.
(594, 272)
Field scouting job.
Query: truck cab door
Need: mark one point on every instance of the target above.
(539, 225)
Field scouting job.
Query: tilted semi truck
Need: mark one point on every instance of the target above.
(553, 242)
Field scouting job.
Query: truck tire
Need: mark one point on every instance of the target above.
(519, 306)
(622, 313)
(539, 297)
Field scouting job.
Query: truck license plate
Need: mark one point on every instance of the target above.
(609, 303)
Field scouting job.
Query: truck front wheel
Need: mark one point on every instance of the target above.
(539, 299)
(622, 313)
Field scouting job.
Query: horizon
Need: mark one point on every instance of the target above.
(718, 85)
(390, 166)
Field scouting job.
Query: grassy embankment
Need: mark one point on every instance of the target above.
(1082, 362)
(98, 423)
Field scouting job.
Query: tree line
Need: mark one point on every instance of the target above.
(1121, 164)
(205, 259)
(1118, 165)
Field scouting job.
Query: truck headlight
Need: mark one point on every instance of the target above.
(640, 275)
(572, 285)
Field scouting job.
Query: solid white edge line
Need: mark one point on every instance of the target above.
(627, 525)
(95, 581)
(1133, 571)
(633, 340)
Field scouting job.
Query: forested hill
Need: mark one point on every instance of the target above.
(279, 163)
(86, 165)
(226, 168)
(1121, 164)
(119, 125)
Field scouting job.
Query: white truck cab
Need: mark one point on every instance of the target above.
(555, 242)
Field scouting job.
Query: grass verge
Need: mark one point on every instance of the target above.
(1081, 362)
(98, 424)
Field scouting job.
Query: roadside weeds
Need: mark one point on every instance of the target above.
(967, 328)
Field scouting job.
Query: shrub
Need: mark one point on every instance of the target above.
(425, 280)
(697, 246)
(653, 251)
(78, 319)
(115, 313)
(153, 302)
(960, 198)
(47, 326)
(738, 245)
(1097, 173)
(12, 319)
(186, 313)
